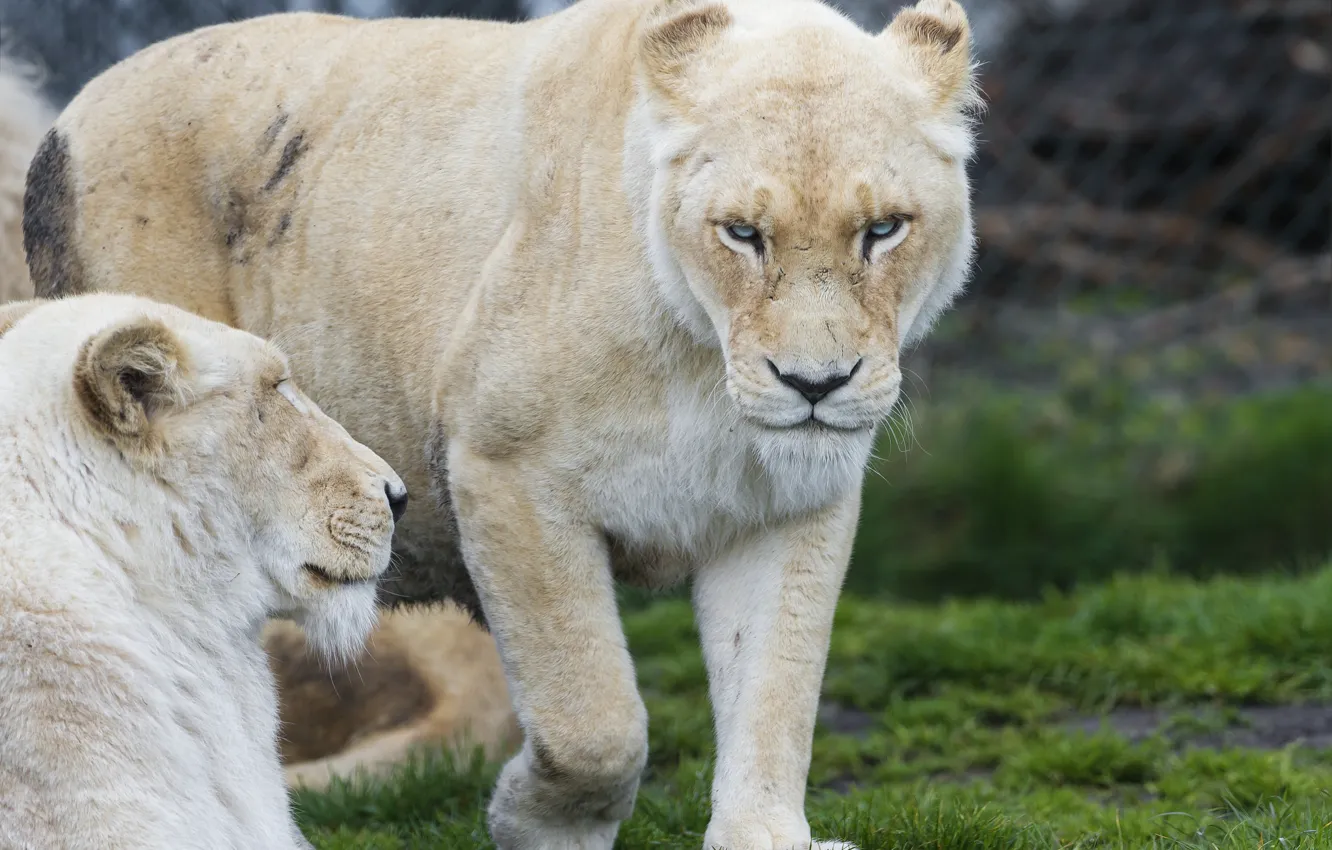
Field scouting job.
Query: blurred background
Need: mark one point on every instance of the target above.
(1140, 377)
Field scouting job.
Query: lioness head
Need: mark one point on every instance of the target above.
(222, 462)
(805, 195)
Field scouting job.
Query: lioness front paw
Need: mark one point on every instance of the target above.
(771, 837)
(785, 845)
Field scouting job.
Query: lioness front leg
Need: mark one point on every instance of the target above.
(765, 611)
(544, 580)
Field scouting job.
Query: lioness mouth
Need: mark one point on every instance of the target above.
(323, 576)
(813, 424)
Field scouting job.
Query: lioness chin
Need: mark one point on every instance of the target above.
(625, 287)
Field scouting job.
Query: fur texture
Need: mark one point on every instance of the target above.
(166, 489)
(24, 117)
(625, 287)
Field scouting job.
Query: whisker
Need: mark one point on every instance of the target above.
(914, 374)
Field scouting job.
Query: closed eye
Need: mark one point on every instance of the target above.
(289, 393)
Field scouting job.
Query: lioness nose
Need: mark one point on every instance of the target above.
(814, 389)
(397, 499)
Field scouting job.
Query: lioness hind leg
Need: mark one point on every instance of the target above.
(546, 586)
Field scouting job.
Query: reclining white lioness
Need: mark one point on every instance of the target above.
(625, 286)
(164, 489)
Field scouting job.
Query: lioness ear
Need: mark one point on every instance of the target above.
(128, 375)
(936, 39)
(12, 311)
(675, 33)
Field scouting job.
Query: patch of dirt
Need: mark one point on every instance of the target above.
(1259, 727)
(843, 785)
(844, 720)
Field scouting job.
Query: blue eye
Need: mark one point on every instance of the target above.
(887, 227)
(743, 232)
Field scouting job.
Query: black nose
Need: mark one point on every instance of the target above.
(814, 389)
(397, 500)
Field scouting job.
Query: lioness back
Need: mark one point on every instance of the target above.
(332, 183)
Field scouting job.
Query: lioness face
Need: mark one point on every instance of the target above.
(258, 477)
(817, 205)
(320, 507)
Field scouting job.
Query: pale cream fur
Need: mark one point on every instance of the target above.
(164, 489)
(572, 274)
(24, 117)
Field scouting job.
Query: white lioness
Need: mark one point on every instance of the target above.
(626, 286)
(164, 489)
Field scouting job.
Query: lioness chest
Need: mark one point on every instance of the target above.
(675, 489)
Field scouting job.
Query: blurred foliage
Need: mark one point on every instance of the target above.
(1010, 494)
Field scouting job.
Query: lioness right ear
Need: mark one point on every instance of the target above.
(128, 375)
(675, 33)
(936, 38)
(12, 311)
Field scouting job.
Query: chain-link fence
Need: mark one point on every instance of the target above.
(1152, 173)
(1155, 175)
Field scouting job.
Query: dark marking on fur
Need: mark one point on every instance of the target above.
(185, 545)
(271, 133)
(48, 221)
(235, 218)
(321, 711)
(283, 225)
(544, 763)
(292, 151)
(235, 221)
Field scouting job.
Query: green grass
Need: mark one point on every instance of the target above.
(965, 732)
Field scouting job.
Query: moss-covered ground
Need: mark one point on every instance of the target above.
(1143, 712)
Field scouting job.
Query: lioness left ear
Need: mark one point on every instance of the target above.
(676, 31)
(128, 375)
(936, 39)
(12, 311)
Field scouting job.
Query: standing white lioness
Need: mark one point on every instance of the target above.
(626, 286)
(164, 490)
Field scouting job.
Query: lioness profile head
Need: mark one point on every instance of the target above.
(219, 463)
(807, 206)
